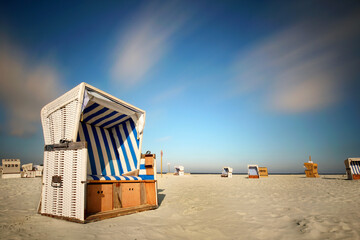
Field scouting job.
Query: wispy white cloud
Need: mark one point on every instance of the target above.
(146, 40)
(164, 139)
(169, 94)
(26, 86)
(303, 68)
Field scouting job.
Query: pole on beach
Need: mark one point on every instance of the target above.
(161, 161)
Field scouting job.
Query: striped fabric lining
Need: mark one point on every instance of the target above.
(355, 167)
(111, 152)
(253, 171)
(102, 177)
(100, 116)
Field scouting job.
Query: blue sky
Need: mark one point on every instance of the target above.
(222, 82)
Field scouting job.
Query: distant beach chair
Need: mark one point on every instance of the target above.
(93, 166)
(179, 170)
(253, 171)
(352, 168)
(263, 171)
(27, 171)
(11, 168)
(227, 172)
(311, 169)
(38, 170)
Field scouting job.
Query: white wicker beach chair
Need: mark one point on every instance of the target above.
(179, 170)
(27, 171)
(92, 157)
(227, 172)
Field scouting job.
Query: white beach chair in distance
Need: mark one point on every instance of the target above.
(92, 157)
(253, 171)
(227, 172)
(179, 170)
(352, 168)
(27, 171)
(38, 170)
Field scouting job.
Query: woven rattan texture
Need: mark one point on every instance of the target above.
(68, 199)
(59, 117)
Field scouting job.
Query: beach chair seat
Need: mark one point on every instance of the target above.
(112, 178)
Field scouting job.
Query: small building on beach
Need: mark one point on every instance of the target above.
(11, 168)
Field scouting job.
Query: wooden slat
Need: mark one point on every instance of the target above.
(149, 171)
(142, 193)
(117, 195)
(151, 193)
(93, 198)
(106, 197)
(118, 212)
(130, 194)
(149, 162)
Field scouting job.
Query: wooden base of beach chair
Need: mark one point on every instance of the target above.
(108, 214)
(253, 176)
(311, 174)
(118, 212)
(355, 176)
(114, 198)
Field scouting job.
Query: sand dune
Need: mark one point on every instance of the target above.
(204, 207)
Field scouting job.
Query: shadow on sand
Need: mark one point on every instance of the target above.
(160, 196)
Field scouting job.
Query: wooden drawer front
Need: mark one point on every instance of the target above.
(150, 193)
(130, 194)
(99, 198)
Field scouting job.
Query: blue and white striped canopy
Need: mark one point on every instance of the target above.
(112, 137)
(103, 117)
(355, 167)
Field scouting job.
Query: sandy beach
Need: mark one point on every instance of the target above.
(204, 207)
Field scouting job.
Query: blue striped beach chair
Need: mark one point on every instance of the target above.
(93, 166)
(253, 171)
(352, 168)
